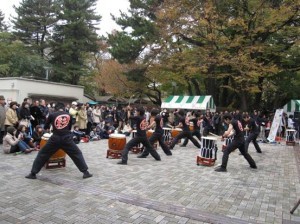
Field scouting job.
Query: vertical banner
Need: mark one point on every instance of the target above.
(275, 125)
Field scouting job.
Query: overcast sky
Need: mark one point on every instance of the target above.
(104, 8)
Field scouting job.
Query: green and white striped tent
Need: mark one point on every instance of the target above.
(189, 102)
(292, 106)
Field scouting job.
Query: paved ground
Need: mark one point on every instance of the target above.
(174, 190)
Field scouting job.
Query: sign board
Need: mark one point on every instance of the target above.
(275, 125)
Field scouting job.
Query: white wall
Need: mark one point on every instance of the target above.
(16, 89)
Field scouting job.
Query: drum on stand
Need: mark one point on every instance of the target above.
(58, 159)
(116, 144)
(208, 151)
(138, 148)
(167, 136)
(227, 141)
(176, 132)
(290, 137)
(149, 134)
(192, 128)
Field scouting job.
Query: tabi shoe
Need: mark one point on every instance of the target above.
(182, 145)
(221, 169)
(253, 166)
(259, 151)
(86, 174)
(122, 162)
(31, 176)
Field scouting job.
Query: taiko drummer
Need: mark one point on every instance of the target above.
(140, 137)
(238, 142)
(157, 135)
(62, 138)
(184, 123)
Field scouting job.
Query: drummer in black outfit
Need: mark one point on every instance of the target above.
(196, 131)
(140, 137)
(184, 124)
(62, 138)
(157, 134)
(238, 142)
(253, 132)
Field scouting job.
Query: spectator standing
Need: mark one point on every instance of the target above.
(82, 117)
(36, 113)
(11, 116)
(44, 112)
(97, 115)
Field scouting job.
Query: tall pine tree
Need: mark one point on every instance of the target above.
(33, 22)
(74, 38)
(3, 26)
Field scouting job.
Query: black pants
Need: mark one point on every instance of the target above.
(185, 134)
(1, 137)
(194, 133)
(134, 142)
(157, 137)
(56, 142)
(240, 144)
(252, 137)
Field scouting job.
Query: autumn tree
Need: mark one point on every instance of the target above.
(234, 45)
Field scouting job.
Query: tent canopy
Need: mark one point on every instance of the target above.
(292, 106)
(189, 102)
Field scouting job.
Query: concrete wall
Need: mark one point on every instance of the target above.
(16, 89)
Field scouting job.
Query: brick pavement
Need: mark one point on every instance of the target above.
(174, 190)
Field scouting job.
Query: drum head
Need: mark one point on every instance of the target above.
(178, 129)
(167, 129)
(209, 138)
(117, 136)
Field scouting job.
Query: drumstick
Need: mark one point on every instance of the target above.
(215, 135)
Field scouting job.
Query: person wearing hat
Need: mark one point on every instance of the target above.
(2, 117)
(62, 138)
(11, 115)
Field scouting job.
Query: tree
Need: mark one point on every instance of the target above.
(33, 23)
(138, 46)
(74, 38)
(234, 45)
(3, 26)
(17, 60)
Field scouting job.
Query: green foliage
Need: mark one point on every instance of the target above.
(34, 20)
(73, 39)
(17, 60)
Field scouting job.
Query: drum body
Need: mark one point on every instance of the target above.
(58, 159)
(291, 137)
(138, 148)
(150, 133)
(208, 151)
(227, 141)
(192, 128)
(175, 132)
(116, 144)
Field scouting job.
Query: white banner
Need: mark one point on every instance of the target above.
(275, 125)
